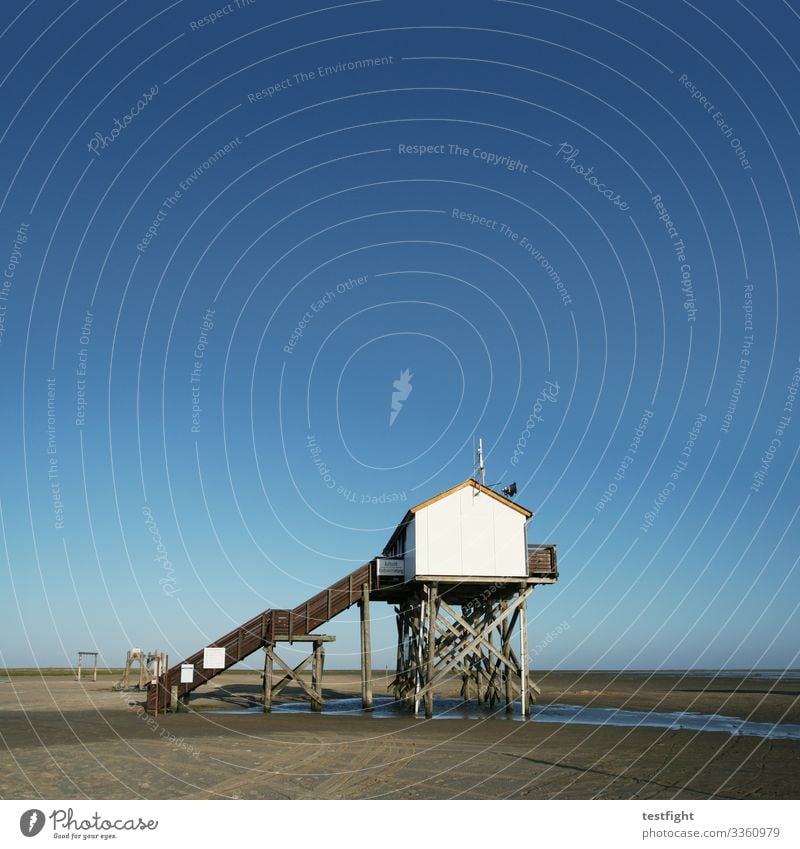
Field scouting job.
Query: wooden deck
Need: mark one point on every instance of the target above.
(542, 561)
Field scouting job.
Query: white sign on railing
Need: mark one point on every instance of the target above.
(214, 658)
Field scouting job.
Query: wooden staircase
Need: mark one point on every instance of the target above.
(266, 627)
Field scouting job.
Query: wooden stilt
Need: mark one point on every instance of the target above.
(430, 649)
(267, 677)
(418, 619)
(506, 639)
(366, 651)
(316, 678)
(400, 618)
(523, 652)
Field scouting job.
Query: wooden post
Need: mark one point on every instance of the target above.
(165, 674)
(316, 677)
(523, 653)
(80, 664)
(94, 676)
(506, 636)
(154, 683)
(416, 629)
(430, 650)
(267, 677)
(174, 704)
(400, 620)
(366, 651)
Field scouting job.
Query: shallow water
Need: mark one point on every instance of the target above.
(449, 708)
(761, 674)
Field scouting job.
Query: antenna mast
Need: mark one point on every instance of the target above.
(481, 469)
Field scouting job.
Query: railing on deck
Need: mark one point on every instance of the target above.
(542, 561)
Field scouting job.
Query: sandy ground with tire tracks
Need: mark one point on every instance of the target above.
(67, 740)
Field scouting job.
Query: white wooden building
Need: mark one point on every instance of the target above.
(468, 531)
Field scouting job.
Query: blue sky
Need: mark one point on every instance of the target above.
(226, 231)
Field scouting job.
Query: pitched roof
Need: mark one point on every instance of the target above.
(479, 486)
(470, 482)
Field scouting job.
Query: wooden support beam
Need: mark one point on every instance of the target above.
(291, 674)
(267, 679)
(400, 620)
(469, 645)
(284, 682)
(417, 620)
(366, 651)
(316, 676)
(430, 649)
(523, 651)
(506, 640)
(472, 630)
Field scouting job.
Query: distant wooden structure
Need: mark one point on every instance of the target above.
(151, 664)
(459, 571)
(81, 656)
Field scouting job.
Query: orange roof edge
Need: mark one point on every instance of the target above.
(479, 486)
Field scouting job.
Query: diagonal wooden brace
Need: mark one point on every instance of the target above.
(478, 638)
(292, 675)
(473, 631)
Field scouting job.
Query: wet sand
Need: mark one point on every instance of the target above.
(64, 739)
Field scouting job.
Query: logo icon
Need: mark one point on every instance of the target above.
(31, 822)
(403, 389)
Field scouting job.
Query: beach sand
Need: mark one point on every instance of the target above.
(68, 740)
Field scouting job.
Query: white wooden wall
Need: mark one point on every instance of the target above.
(466, 534)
